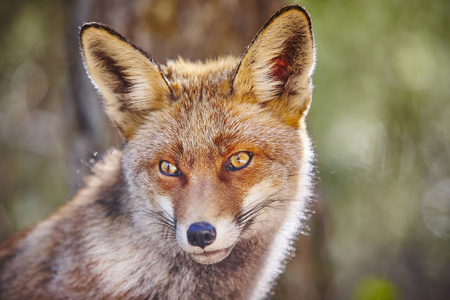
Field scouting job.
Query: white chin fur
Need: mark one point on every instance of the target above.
(211, 257)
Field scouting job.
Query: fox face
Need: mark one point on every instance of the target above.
(211, 168)
(215, 153)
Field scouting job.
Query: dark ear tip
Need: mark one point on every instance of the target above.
(293, 6)
(87, 26)
(290, 7)
(109, 30)
(97, 25)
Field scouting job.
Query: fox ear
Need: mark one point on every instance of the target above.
(276, 68)
(131, 83)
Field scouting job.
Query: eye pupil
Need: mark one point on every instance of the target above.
(240, 159)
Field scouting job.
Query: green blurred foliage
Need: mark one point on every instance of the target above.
(375, 289)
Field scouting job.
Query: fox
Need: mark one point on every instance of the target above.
(208, 192)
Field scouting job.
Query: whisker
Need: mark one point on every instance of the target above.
(160, 217)
(256, 208)
(168, 224)
(171, 217)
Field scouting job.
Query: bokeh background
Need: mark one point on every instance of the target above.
(380, 120)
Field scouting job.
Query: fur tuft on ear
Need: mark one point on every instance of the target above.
(131, 83)
(276, 68)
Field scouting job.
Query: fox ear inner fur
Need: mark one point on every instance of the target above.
(131, 83)
(277, 66)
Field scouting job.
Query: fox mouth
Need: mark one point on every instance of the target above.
(211, 257)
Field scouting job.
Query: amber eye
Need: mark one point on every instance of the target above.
(168, 168)
(240, 160)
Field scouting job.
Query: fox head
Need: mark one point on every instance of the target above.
(215, 153)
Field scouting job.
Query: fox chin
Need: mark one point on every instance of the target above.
(209, 190)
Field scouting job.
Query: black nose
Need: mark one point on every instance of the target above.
(201, 234)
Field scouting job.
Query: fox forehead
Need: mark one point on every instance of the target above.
(186, 76)
(205, 119)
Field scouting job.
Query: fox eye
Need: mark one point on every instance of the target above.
(168, 168)
(239, 160)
